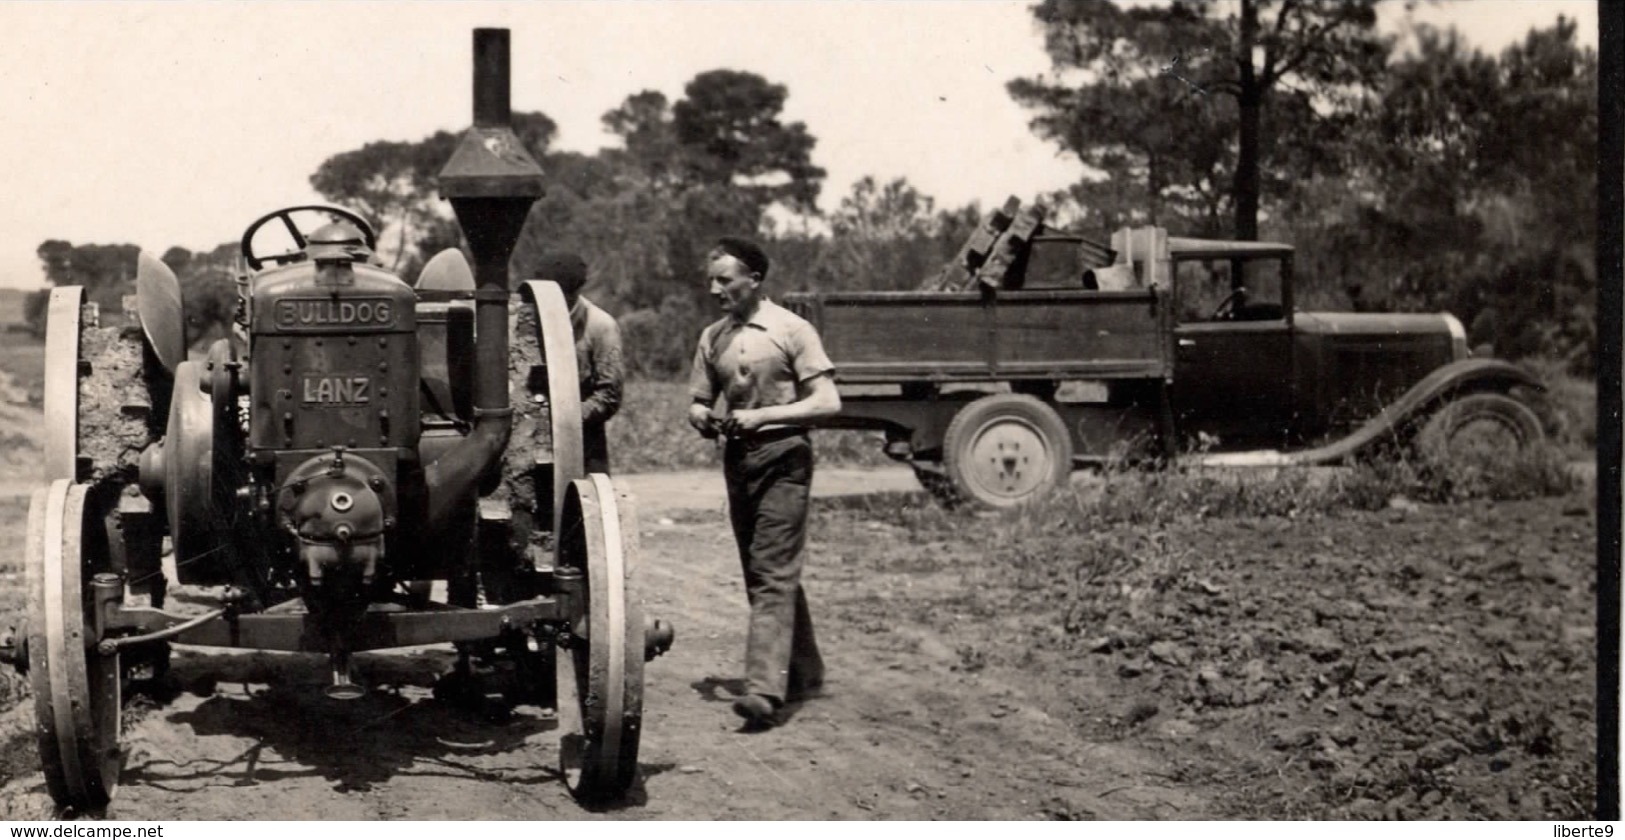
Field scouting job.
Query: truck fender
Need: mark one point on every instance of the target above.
(1399, 417)
(1451, 380)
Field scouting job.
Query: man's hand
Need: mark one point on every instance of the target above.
(745, 420)
(699, 416)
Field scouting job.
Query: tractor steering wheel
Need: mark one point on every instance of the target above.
(1226, 307)
(255, 261)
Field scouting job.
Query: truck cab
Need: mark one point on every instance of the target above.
(1233, 352)
(1250, 371)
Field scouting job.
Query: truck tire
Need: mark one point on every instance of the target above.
(1006, 449)
(1478, 426)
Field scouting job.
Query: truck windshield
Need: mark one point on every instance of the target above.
(1231, 289)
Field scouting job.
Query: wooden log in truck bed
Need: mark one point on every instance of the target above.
(888, 337)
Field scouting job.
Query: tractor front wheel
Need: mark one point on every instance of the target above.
(76, 688)
(600, 674)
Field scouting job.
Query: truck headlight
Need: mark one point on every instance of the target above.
(1458, 338)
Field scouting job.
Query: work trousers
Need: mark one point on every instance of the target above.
(768, 486)
(594, 448)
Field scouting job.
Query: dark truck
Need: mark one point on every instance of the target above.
(1065, 354)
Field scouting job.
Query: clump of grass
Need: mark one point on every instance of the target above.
(1531, 472)
(1153, 498)
(1202, 494)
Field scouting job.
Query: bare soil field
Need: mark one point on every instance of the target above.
(1414, 661)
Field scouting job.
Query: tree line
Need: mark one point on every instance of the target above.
(1413, 173)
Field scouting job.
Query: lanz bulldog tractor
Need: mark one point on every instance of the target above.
(355, 447)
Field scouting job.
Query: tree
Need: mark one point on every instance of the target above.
(643, 215)
(394, 185)
(107, 273)
(882, 237)
(1518, 217)
(894, 211)
(728, 125)
(601, 208)
(644, 123)
(1440, 211)
(208, 290)
(1179, 97)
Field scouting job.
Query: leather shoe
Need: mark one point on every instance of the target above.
(758, 709)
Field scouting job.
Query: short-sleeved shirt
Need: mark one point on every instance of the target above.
(758, 363)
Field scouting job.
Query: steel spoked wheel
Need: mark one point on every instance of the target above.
(76, 689)
(1005, 449)
(600, 675)
(1479, 428)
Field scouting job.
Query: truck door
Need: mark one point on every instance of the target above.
(1233, 351)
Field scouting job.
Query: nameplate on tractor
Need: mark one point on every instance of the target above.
(336, 389)
(321, 314)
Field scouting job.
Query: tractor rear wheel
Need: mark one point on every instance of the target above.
(600, 674)
(106, 395)
(76, 688)
(1005, 449)
(62, 336)
(544, 453)
(557, 382)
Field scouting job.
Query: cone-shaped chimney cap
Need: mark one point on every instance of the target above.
(490, 162)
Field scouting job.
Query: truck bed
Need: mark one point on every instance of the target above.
(884, 337)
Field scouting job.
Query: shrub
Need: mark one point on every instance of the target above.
(1568, 408)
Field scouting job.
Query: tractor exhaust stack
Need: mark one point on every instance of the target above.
(491, 182)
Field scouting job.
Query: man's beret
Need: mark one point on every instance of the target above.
(562, 267)
(747, 252)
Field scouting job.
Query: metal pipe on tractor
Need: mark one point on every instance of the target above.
(491, 182)
(324, 467)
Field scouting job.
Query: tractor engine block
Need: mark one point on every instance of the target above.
(334, 359)
(334, 417)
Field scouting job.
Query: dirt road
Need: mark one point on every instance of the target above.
(1264, 667)
(252, 737)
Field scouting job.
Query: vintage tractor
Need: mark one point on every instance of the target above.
(357, 446)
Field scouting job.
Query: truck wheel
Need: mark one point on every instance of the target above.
(1479, 426)
(1005, 449)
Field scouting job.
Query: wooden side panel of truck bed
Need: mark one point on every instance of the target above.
(876, 337)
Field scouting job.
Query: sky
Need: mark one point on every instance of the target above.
(179, 123)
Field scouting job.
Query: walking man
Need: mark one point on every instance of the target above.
(598, 355)
(760, 376)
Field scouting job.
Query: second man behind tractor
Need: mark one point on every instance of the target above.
(598, 354)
